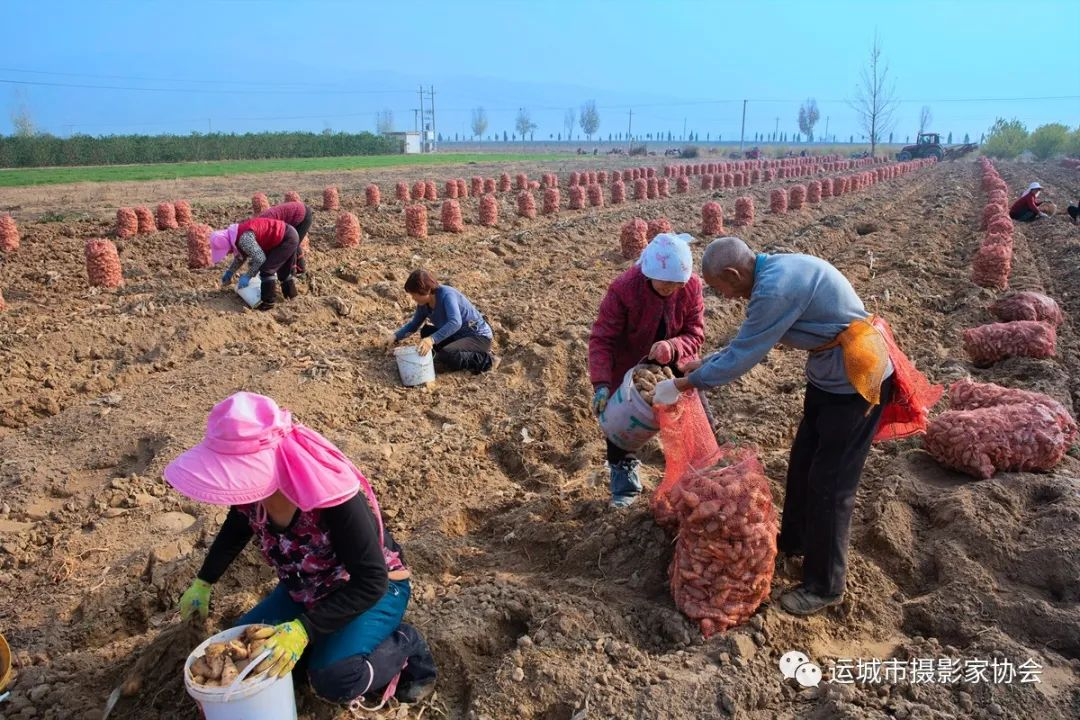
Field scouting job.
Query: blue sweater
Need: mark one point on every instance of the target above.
(452, 313)
(797, 300)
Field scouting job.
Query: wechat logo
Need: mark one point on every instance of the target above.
(797, 666)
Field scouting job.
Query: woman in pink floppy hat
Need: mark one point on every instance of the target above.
(343, 583)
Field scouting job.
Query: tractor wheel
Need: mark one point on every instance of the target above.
(904, 156)
(938, 153)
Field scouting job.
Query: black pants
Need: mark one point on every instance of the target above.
(1025, 215)
(359, 675)
(823, 475)
(462, 350)
(280, 260)
(1074, 212)
(300, 265)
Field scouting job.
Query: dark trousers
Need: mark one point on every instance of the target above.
(826, 463)
(280, 259)
(1074, 212)
(300, 264)
(462, 350)
(360, 675)
(1025, 215)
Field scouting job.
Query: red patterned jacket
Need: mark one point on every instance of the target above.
(629, 318)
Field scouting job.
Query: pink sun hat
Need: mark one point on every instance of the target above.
(222, 243)
(252, 449)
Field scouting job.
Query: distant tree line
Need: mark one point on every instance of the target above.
(40, 150)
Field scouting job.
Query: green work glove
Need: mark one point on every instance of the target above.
(599, 400)
(286, 646)
(195, 599)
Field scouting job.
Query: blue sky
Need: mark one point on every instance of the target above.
(239, 66)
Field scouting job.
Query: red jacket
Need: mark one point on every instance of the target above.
(290, 213)
(1025, 202)
(268, 233)
(629, 317)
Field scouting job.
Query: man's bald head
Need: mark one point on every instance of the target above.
(728, 267)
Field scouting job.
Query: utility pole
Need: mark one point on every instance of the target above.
(416, 119)
(209, 126)
(683, 129)
(423, 131)
(433, 112)
(629, 124)
(826, 128)
(776, 131)
(743, 131)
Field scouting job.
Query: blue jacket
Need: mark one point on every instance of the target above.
(797, 300)
(453, 313)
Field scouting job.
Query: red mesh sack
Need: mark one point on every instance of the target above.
(401, 192)
(618, 192)
(183, 212)
(521, 181)
(727, 181)
(127, 224)
(657, 226)
(1006, 437)
(489, 185)
(292, 196)
(633, 238)
(706, 182)
(778, 202)
(577, 197)
(416, 221)
(259, 203)
(987, 344)
(744, 210)
(652, 188)
(826, 187)
(451, 217)
(596, 195)
(504, 182)
(551, 201)
(9, 232)
(166, 217)
(575, 178)
(601, 177)
(198, 246)
(418, 189)
(968, 395)
(347, 230)
(712, 219)
(526, 205)
(796, 197)
(372, 195)
(663, 187)
(462, 188)
(590, 178)
(991, 266)
(813, 192)
(907, 412)
(147, 224)
(688, 441)
(450, 191)
(430, 191)
(330, 198)
(3, 305)
(103, 264)
(1027, 306)
(489, 210)
(476, 186)
(640, 192)
(682, 184)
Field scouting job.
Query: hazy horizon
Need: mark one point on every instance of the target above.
(154, 67)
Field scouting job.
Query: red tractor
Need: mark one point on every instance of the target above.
(926, 145)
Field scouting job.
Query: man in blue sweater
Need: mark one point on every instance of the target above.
(804, 302)
(449, 324)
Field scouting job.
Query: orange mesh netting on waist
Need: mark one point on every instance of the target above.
(908, 411)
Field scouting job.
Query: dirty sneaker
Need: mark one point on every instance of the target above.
(415, 691)
(625, 484)
(623, 501)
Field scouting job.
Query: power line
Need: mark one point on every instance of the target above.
(302, 91)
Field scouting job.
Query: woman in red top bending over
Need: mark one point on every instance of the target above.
(269, 247)
(1026, 208)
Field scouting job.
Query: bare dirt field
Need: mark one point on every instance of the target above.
(538, 600)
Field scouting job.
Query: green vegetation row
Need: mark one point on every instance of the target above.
(172, 171)
(25, 151)
(1010, 139)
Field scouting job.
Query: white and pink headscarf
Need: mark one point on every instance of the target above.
(222, 242)
(667, 258)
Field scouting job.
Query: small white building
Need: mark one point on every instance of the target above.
(411, 139)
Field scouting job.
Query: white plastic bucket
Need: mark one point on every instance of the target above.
(267, 698)
(414, 368)
(252, 294)
(628, 421)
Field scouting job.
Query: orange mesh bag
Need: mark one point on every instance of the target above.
(687, 440)
(719, 500)
(726, 546)
(908, 411)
